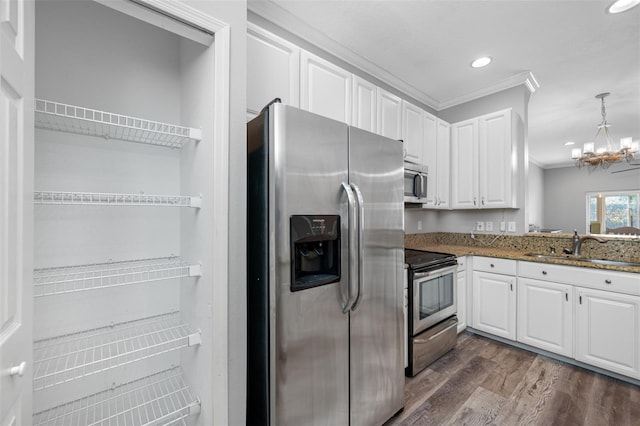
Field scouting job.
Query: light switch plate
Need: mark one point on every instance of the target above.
(512, 227)
(479, 226)
(503, 226)
(488, 226)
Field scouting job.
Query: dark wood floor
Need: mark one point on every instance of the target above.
(484, 382)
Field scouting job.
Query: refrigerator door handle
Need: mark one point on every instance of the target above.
(360, 200)
(352, 236)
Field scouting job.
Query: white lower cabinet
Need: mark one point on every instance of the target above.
(608, 330)
(461, 293)
(545, 315)
(494, 303)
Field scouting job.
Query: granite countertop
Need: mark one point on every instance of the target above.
(463, 250)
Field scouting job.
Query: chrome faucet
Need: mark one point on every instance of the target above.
(577, 242)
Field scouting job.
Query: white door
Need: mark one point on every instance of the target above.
(495, 162)
(442, 175)
(494, 304)
(464, 164)
(390, 117)
(273, 70)
(413, 132)
(430, 158)
(608, 331)
(364, 105)
(16, 209)
(545, 315)
(325, 89)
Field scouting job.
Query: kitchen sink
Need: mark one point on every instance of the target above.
(583, 259)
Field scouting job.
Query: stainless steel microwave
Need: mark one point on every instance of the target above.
(415, 183)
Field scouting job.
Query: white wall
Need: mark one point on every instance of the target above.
(536, 195)
(565, 193)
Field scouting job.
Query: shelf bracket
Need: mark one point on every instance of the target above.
(194, 408)
(196, 202)
(195, 270)
(195, 338)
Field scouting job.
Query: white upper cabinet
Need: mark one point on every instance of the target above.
(273, 70)
(413, 132)
(464, 165)
(325, 89)
(482, 162)
(436, 156)
(364, 105)
(495, 153)
(390, 116)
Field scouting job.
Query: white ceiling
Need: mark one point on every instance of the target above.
(573, 48)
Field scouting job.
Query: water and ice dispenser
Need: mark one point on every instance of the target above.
(315, 251)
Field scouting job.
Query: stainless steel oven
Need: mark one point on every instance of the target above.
(415, 183)
(432, 325)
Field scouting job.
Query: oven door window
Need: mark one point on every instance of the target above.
(435, 295)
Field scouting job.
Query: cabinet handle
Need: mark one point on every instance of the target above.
(544, 272)
(492, 265)
(580, 299)
(566, 295)
(511, 285)
(474, 201)
(607, 281)
(483, 201)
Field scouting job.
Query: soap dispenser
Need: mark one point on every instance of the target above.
(575, 240)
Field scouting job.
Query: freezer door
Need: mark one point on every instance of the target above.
(377, 343)
(310, 332)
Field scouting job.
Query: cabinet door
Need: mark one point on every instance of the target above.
(389, 117)
(430, 151)
(413, 132)
(608, 331)
(364, 104)
(494, 304)
(325, 89)
(443, 169)
(496, 168)
(545, 315)
(273, 70)
(462, 300)
(16, 210)
(464, 163)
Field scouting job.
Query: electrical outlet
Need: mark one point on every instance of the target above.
(503, 226)
(479, 226)
(512, 227)
(419, 225)
(488, 226)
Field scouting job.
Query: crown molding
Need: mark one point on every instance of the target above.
(280, 17)
(525, 78)
(283, 19)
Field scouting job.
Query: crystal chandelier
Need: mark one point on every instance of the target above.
(606, 155)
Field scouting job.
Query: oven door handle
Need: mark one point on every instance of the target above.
(351, 241)
(360, 251)
(440, 271)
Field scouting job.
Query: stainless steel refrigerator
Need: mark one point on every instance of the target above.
(324, 272)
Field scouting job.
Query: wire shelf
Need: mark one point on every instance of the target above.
(110, 199)
(74, 119)
(69, 279)
(65, 358)
(159, 399)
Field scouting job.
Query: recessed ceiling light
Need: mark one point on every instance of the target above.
(483, 61)
(569, 143)
(620, 6)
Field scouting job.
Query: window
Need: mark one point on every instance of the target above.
(613, 212)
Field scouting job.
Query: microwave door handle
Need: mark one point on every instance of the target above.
(417, 185)
(360, 202)
(423, 186)
(351, 241)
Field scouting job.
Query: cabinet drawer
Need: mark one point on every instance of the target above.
(620, 282)
(495, 265)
